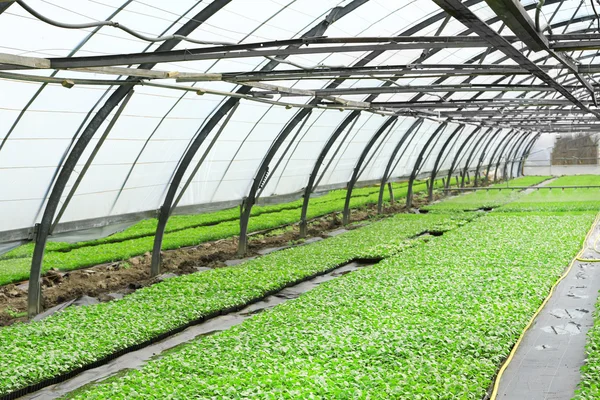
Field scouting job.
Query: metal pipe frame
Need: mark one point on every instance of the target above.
(483, 153)
(507, 139)
(413, 175)
(471, 154)
(248, 202)
(454, 163)
(468, 3)
(355, 173)
(43, 230)
(510, 153)
(508, 146)
(414, 128)
(350, 119)
(436, 165)
(526, 154)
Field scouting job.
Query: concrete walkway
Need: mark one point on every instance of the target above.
(547, 363)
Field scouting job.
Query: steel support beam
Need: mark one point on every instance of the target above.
(458, 154)
(317, 31)
(414, 128)
(34, 293)
(355, 173)
(508, 138)
(436, 165)
(511, 151)
(471, 154)
(350, 119)
(483, 153)
(463, 14)
(417, 166)
(508, 146)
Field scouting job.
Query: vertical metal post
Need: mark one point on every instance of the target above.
(436, 165)
(391, 190)
(414, 128)
(483, 153)
(355, 173)
(457, 156)
(473, 150)
(350, 119)
(413, 175)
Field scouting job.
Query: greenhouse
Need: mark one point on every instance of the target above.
(296, 199)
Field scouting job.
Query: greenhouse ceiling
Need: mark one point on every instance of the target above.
(113, 111)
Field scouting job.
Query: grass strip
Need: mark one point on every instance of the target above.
(37, 351)
(434, 322)
(483, 199)
(181, 222)
(17, 269)
(560, 200)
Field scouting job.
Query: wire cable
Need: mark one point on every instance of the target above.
(114, 24)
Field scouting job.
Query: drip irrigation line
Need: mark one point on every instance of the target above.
(494, 394)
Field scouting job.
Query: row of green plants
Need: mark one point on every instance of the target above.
(589, 386)
(36, 351)
(576, 180)
(433, 322)
(17, 269)
(180, 222)
(481, 199)
(559, 200)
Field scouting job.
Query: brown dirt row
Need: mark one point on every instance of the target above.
(108, 281)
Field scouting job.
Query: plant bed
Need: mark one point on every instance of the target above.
(105, 251)
(484, 199)
(80, 336)
(433, 322)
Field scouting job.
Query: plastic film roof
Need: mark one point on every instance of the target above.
(203, 99)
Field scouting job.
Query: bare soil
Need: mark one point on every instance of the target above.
(120, 278)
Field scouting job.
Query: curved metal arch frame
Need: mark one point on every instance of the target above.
(511, 149)
(482, 155)
(455, 161)
(356, 172)
(474, 149)
(508, 146)
(411, 131)
(477, 1)
(436, 165)
(413, 175)
(350, 119)
(507, 139)
(43, 229)
(526, 154)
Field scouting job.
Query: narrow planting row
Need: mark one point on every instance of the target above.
(99, 252)
(36, 352)
(433, 322)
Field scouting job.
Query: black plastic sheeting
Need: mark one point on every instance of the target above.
(138, 356)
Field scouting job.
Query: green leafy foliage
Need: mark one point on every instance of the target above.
(80, 335)
(433, 322)
(480, 199)
(559, 200)
(589, 386)
(184, 231)
(577, 180)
